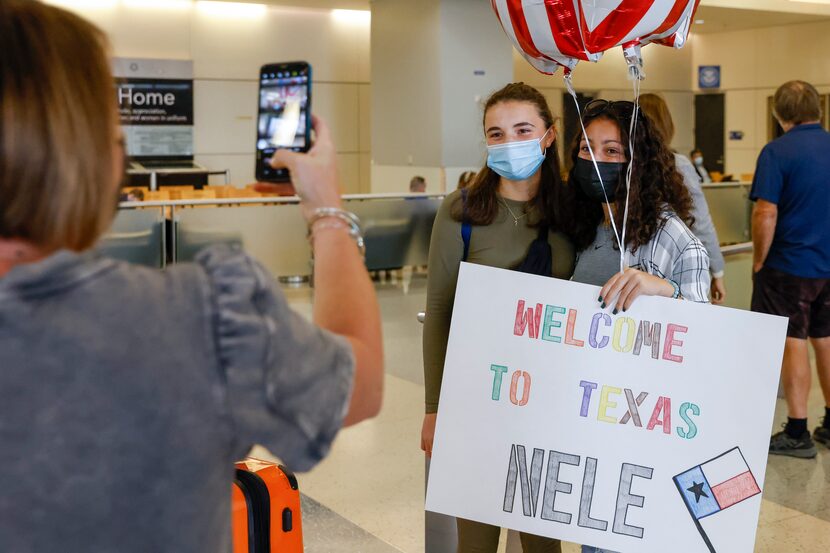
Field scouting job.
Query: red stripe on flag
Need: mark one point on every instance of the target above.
(735, 490)
(517, 18)
(615, 26)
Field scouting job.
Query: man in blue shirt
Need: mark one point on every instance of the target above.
(791, 265)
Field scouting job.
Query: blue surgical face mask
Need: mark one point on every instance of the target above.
(517, 160)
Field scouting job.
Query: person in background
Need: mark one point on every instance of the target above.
(465, 178)
(418, 185)
(662, 256)
(655, 108)
(697, 160)
(511, 208)
(133, 195)
(791, 256)
(127, 393)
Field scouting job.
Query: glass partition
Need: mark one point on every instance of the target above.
(731, 210)
(136, 236)
(275, 235)
(397, 230)
(737, 277)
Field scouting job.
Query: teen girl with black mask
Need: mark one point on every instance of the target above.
(661, 255)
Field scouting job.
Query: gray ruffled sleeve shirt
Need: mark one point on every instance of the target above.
(128, 393)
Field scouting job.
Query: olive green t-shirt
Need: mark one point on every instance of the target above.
(503, 244)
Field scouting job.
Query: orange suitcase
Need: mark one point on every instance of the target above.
(265, 509)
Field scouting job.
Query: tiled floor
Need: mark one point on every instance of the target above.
(367, 496)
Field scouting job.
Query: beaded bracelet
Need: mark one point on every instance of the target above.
(676, 287)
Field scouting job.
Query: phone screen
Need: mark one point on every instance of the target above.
(283, 122)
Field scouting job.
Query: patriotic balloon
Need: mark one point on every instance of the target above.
(551, 33)
(546, 33)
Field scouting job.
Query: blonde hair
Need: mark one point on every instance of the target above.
(58, 128)
(656, 109)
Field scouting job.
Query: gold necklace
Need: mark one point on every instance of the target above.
(510, 211)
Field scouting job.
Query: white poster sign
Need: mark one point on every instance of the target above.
(644, 431)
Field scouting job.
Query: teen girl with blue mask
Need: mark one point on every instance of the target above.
(511, 212)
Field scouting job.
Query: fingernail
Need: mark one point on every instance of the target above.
(599, 298)
(625, 309)
(602, 306)
(614, 312)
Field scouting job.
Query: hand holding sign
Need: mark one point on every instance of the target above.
(623, 288)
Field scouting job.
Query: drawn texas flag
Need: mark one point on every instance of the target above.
(715, 485)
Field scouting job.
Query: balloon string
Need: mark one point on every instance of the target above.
(620, 244)
(631, 133)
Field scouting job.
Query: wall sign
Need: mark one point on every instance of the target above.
(635, 432)
(708, 76)
(155, 103)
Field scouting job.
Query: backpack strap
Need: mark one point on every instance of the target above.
(466, 227)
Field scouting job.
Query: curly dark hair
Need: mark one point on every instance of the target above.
(482, 204)
(655, 185)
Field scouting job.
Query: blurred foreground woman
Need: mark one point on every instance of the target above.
(126, 393)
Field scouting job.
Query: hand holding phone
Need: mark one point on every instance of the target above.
(313, 174)
(283, 121)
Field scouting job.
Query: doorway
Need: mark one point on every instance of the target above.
(709, 129)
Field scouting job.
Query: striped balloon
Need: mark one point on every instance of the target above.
(552, 33)
(609, 23)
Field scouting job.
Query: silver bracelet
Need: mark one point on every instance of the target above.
(322, 212)
(350, 219)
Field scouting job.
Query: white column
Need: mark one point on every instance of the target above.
(433, 62)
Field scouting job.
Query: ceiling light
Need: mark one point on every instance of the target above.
(84, 4)
(159, 4)
(699, 22)
(231, 9)
(352, 16)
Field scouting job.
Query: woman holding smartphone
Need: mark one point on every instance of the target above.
(129, 392)
(506, 218)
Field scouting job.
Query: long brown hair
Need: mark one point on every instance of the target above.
(58, 127)
(655, 185)
(657, 110)
(482, 204)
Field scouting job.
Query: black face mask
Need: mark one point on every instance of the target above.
(586, 176)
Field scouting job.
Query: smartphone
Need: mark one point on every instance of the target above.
(284, 116)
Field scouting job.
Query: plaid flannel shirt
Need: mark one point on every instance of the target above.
(674, 253)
